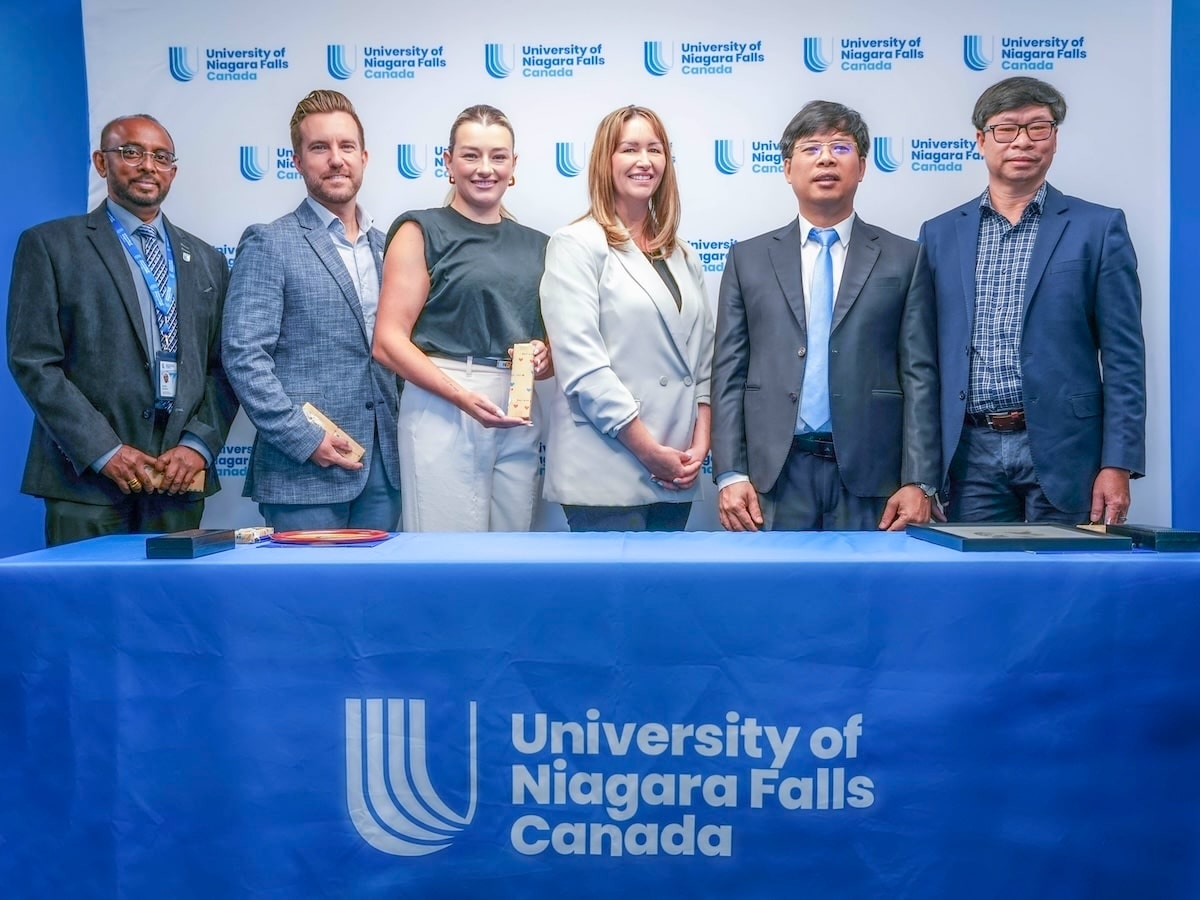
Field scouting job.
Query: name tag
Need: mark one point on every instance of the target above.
(166, 377)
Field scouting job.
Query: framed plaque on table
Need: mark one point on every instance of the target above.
(974, 536)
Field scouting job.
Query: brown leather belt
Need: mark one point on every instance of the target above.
(1013, 420)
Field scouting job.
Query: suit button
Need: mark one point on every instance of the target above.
(370, 404)
(801, 352)
(793, 396)
(663, 381)
(688, 381)
(968, 349)
(962, 395)
(146, 413)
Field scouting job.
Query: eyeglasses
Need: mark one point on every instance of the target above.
(133, 155)
(839, 149)
(1006, 133)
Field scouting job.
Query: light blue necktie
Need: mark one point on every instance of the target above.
(168, 321)
(814, 399)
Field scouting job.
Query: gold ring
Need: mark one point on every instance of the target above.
(133, 483)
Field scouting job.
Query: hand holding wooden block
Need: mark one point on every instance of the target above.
(154, 478)
(520, 386)
(317, 417)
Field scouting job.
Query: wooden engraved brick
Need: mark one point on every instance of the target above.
(520, 386)
(317, 417)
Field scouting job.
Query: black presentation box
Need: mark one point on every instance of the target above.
(1158, 537)
(189, 544)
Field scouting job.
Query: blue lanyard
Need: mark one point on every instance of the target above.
(162, 302)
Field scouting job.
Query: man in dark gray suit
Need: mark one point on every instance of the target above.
(298, 329)
(825, 414)
(114, 329)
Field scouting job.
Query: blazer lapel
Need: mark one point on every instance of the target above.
(642, 271)
(1050, 231)
(112, 254)
(318, 238)
(860, 259)
(968, 248)
(785, 259)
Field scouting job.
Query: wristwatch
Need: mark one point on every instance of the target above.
(927, 489)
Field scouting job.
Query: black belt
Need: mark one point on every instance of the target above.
(494, 362)
(818, 443)
(1013, 420)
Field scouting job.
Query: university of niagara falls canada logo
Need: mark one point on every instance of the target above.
(389, 795)
(886, 158)
(250, 163)
(815, 58)
(567, 161)
(973, 52)
(340, 61)
(411, 162)
(655, 60)
(726, 160)
(182, 63)
(494, 62)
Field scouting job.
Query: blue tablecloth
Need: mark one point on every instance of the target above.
(697, 715)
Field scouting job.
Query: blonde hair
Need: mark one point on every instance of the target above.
(323, 101)
(484, 115)
(662, 220)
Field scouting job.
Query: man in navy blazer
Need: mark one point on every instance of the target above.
(1039, 332)
(298, 329)
(824, 416)
(120, 360)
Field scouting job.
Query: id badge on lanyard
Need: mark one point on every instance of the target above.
(166, 375)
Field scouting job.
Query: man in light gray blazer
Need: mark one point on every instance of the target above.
(825, 419)
(298, 328)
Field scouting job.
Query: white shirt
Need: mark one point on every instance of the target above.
(358, 258)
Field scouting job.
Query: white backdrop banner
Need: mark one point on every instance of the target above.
(224, 77)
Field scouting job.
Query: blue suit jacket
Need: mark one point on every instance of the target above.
(294, 332)
(1082, 354)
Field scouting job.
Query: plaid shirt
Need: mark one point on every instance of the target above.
(1001, 269)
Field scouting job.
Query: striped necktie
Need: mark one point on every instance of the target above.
(814, 397)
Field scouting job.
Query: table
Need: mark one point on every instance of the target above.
(554, 715)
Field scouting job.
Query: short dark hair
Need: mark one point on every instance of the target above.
(106, 131)
(1014, 93)
(824, 115)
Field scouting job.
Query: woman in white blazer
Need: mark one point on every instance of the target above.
(629, 321)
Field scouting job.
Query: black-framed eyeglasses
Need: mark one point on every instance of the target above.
(1006, 132)
(132, 154)
(839, 149)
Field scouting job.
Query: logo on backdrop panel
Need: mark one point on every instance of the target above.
(730, 157)
(569, 158)
(1019, 53)
(712, 253)
(383, 62)
(924, 154)
(390, 797)
(862, 54)
(701, 57)
(256, 163)
(225, 63)
(413, 161)
(590, 786)
(542, 60)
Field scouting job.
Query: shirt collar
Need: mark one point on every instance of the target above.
(843, 229)
(132, 223)
(1035, 205)
(365, 222)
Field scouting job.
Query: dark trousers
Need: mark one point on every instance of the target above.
(138, 513)
(810, 496)
(651, 517)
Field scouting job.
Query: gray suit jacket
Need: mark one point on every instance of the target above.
(621, 350)
(80, 353)
(294, 333)
(882, 362)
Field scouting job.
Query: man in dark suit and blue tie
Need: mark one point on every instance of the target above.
(114, 331)
(1039, 332)
(824, 412)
